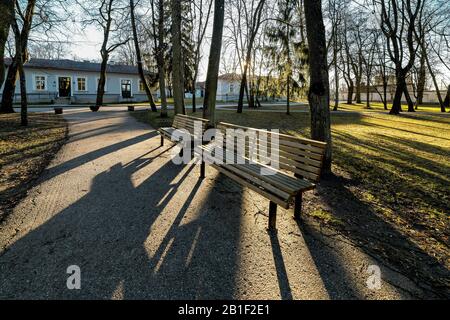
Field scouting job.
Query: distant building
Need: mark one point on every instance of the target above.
(228, 86)
(376, 93)
(68, 81)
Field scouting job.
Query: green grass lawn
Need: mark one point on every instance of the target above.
(378, 106)
(25, 152)
(394, 170)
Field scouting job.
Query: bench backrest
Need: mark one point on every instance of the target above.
(300, 156)
(182, 121)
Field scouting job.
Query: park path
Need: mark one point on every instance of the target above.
(139, 226)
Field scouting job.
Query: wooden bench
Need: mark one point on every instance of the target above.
(297, 170)
(181, 121)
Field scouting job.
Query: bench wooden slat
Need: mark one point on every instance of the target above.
(242, 181)
(297, 155)
(281, 135)
(282, 181)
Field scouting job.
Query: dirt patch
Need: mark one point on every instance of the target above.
(25, 152)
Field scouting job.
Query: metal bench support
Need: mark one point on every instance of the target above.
(202, 169)
(298, 206)
(272, 215)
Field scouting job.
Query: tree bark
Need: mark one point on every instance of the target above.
(23, 86)
(350, 93)
(399, 90)
(447, 98)
(248, 57)
(177, 58)
(368, 93)
(209, 102)
(139, 59)
(358, 90)
(101, 80)
(105, 56)
(12, 75)
(7, 7)
(421, 79)
(319, 91)
(160, 59)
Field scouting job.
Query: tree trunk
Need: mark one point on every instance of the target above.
(358, 90)
(7, 7)
(408, 99)
(350, 93)
(23, 86)
(9, 88)
(242, 90)
(177, 58)
(433, 77)
(160, 58)
(446, 103)
(139, 59)
(367, 96)
(214, 63)
(399, 89)
(421, 80)
(288, 94)
(11, 79)
(385, 85)
(336, 73)
(319, 91)
(101, 80)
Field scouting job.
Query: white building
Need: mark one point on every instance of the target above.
(68, 81)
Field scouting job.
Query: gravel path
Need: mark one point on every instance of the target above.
(139, 226)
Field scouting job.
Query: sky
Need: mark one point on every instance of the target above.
(85, 44)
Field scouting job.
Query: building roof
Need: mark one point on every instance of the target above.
(65, 64)
(230, 77)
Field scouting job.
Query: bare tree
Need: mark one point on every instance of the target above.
(245, 33)
(319, 91)
(139, 57)
(160, 47)
(7, 9)
(214, 62)
(202, 18)
(177, 58)
(110, 17)
(398, 21)
(21, 55)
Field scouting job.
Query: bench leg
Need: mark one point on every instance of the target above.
(162, 141)
(272, 215)
(298, 206)
(202, 170)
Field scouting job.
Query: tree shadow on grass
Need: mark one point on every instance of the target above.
(379, 238)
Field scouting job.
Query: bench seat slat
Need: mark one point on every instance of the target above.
(284, 204)
(287, 184)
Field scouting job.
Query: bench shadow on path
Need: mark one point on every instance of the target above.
(104, 234)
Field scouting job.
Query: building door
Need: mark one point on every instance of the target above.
(126, 88)
(64, 85)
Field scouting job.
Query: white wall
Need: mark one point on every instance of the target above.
(112, 94)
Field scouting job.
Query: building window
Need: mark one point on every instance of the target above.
(231, 87)
(40, 83)
(81, 84)
(125, 85)
(141, 86)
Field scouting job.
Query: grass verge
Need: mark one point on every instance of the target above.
(25, 152)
